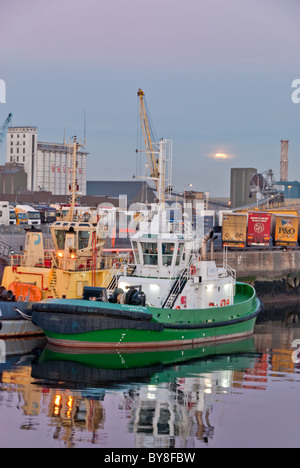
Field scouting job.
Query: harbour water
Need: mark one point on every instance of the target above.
(236, 394)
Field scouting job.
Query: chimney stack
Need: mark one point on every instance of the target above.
(284, 160)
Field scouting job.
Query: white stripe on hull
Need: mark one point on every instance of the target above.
(149, 344)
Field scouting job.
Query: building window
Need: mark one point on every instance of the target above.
(23, 150)
(23, 158)
(11, 150)
(18, 136)
(17, 150)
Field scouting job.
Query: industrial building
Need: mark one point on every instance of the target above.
(13, 179)
(47, 165)
(135, 191)
(240, 182)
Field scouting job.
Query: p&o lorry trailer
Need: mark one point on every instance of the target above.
(285, 229)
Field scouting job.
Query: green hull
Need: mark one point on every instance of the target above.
(164, 327)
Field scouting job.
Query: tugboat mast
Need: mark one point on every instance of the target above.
(73, 187)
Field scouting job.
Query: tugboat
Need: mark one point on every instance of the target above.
(170, 296)
(57, 269)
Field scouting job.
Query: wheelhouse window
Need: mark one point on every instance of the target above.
(83, 239)
(60, 238)
(149, 253)
(167, 253)
(179, 253)
(136, 251)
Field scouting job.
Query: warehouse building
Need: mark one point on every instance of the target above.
(135, 191)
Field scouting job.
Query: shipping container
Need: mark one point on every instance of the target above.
(285, 229)
(259, 228)
(234, 229)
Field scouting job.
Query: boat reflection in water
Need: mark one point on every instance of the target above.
(164, 394)
(231, 394)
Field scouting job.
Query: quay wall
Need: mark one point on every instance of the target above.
(274, 274)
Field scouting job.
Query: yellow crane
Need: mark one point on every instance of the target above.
(152, 157)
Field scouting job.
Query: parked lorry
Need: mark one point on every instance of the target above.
(234, 229)
(4, 213)
(48, 214)
(259, 228)
(285, 229)
(21, 216)
(7, 214)
(33, 215)
(12, 215)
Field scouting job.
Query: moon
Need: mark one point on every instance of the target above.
(221, 156)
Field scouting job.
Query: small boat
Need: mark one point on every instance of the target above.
(81, 324)
(54, 268)
(170, 296)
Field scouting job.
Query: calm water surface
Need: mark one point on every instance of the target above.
(238, 394)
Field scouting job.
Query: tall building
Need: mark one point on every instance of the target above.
(48, 165)
(21, 149)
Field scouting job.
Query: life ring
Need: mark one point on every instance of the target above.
(177, 307)
(223, 303)
(193, 270)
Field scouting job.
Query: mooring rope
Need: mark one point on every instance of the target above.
(25, 316)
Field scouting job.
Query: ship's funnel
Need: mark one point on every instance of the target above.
(284, 160)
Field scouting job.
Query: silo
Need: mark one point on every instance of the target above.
(240, 193)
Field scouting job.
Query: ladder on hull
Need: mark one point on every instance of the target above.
(176, 289)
